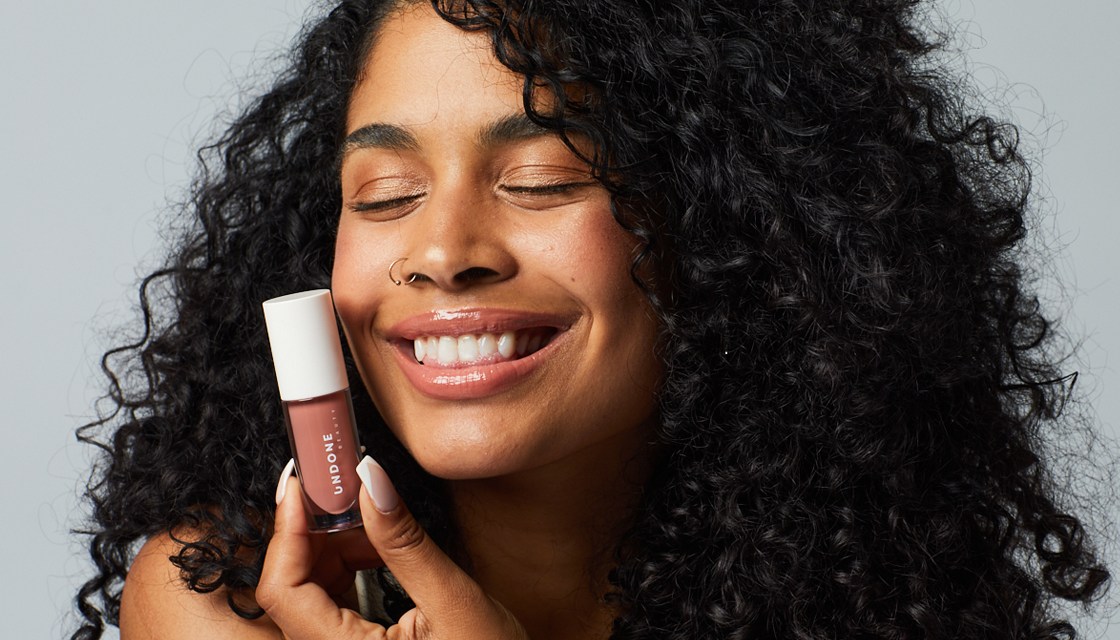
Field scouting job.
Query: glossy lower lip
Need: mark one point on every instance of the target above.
(473, 382)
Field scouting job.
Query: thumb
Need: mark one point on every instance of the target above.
(441, 590)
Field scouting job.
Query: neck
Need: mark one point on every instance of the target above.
(542, 541)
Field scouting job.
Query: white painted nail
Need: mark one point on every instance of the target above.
(378, 485)
(282, 486)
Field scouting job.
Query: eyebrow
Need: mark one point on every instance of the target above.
(511, 128)
(377, 135)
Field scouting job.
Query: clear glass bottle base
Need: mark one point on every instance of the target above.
(331, 522)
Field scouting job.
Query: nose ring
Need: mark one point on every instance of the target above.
(411, 277)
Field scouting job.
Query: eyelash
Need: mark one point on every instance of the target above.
(542, 190)
(383, 205)
(546, 190)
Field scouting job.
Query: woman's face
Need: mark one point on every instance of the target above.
(534, 341)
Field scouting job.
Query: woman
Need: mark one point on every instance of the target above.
(780, 377)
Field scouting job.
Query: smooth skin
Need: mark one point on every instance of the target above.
(544, 476)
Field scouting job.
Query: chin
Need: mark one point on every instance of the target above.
(468, 453)
(469, 465)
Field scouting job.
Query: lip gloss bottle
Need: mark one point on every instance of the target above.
(318, 411)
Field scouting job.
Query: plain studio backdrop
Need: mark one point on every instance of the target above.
(105, 102)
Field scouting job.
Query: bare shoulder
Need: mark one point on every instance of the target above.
(156, 604)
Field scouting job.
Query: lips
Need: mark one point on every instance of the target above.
(475, 353)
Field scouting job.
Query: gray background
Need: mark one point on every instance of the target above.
(104, 102)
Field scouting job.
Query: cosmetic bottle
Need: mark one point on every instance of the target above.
(315, 394)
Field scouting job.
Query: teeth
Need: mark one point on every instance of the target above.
(487, 345)
(449, 350)
(506, 344)
(468, 348)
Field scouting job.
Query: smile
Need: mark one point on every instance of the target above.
(471, 349)
(472, 354)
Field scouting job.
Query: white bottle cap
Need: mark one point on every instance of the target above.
(305, 346)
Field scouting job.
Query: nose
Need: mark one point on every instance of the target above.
(458, 243)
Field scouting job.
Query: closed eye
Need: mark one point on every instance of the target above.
(543, 196)
(384, 205)
(547, 189)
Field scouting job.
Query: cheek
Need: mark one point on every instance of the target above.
(357, 261)
(630, 328)
(598, 259)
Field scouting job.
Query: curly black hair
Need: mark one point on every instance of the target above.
(858, 378)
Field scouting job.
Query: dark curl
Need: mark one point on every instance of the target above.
(858, 380)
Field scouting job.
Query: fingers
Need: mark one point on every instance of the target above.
(287, 591)
(444, 594)
(299, 565)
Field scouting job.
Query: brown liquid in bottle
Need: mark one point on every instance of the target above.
(325, 443)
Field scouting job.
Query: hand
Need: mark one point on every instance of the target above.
(304, 572)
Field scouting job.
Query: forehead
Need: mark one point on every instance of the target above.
(422, 71)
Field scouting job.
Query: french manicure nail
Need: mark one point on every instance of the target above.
(378, 485)
(282, 486)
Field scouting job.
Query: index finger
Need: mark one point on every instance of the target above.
(448, 601)
(286, 591)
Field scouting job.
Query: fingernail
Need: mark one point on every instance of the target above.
(282, 486)
(378, 485)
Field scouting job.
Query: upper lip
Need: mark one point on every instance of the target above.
(457, 322)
